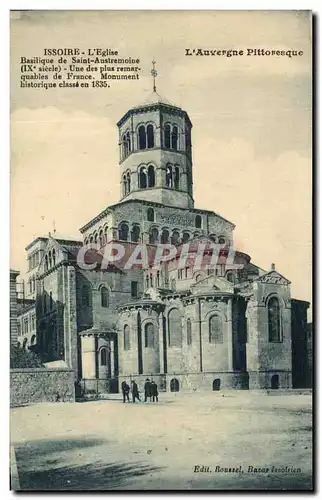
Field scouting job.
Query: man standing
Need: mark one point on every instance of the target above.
(135, 391)
(147, 390)
(154, 391)
(125, 391)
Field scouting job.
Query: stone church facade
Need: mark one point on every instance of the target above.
(228, 325)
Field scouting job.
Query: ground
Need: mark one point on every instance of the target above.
(103, 445)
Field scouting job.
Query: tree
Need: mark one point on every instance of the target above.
(20, 358)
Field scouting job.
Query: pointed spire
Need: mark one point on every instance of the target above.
(154, 75)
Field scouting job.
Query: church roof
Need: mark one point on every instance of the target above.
(155, 98)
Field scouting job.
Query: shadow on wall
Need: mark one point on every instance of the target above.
(40, 467)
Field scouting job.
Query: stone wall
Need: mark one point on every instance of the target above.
(39, 385)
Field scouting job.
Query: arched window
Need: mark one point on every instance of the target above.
(105, 234)
(101, 238)
(85, 296)
(189, 332)
(150, 136)
(174, 385)
(275, 382)
(104, 297)
(126, 338)
(151, 176)
(95, 238)
(142, 137)
(49, 260)
(175, 238)
(215, 330)
(143, 178)
(176, 178)
(158, 279)
(128, 142)
(125, 146)
(135, 234)
(216, 384)
(147, 282)
(168, 177)
(128, 183)
(150, 214)
(33, 340)
(54, 257)
(104, 356)
(174, 138)
(165, 236)
(167, 136)
(46, 263)
(153, 236)
(198, 221)
(185, 237)
(123, 232)
(175, 331)
(151, 279)
(50, 301)
(124, 185)
(274, 320)
(91, 239)
(149, 335)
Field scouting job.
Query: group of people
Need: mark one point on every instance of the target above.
(150, 391)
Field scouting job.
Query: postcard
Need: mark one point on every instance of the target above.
(161, 250)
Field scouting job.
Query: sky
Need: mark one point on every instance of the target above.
(251, 131)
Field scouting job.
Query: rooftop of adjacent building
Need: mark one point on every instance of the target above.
(148, 203)
(62, 241)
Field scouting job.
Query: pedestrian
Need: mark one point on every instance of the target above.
(147, 390)
(154, 391)
(135, 391)
(125, 391)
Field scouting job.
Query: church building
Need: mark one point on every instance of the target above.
(228, 325)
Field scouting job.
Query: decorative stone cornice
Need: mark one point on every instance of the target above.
(144, 305)
(209, 297)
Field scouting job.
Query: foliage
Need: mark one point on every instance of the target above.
(20, 358)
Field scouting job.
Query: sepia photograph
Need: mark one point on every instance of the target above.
(161, 315)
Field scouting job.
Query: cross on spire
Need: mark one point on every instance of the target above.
(154, 74)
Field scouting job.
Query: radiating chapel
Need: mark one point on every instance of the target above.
(223, 326)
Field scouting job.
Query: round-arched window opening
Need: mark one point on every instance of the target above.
(198, 221)
(174, 385)
(216, 384)
(275, 382)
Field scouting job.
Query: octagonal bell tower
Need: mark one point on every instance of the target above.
(155, 153)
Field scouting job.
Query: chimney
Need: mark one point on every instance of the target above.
(272, 266)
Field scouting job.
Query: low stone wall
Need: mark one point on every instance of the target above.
(38, 385)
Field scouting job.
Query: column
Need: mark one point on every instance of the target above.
(161, 345)
(230, 334)
(112, 358)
